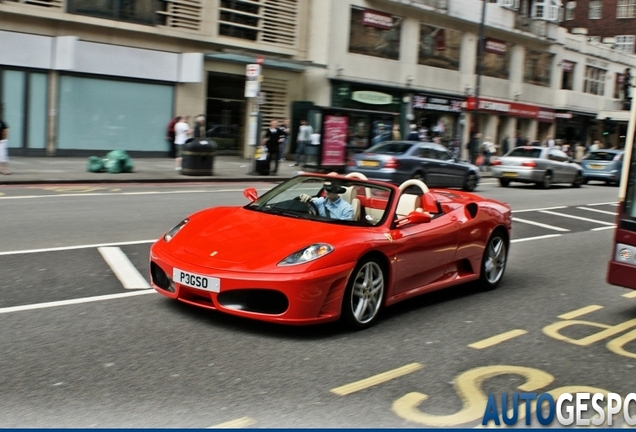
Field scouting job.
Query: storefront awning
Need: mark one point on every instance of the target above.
(246, 58)
(618, 115)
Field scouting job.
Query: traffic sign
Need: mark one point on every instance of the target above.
(252, 71)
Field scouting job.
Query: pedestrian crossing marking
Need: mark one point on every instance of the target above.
(576, 217)
(123, 268)
(597, 210)
(539, 224)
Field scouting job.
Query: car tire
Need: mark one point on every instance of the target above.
(578, 181)
(547, 181)
(504, 182)
(584, 181)
(493, 262)
(470, 183)
(364, 295)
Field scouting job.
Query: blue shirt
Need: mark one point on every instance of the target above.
(339, 209)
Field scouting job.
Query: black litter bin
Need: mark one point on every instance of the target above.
(198, 157)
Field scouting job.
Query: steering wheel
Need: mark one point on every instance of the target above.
(414, 182)
(313, 208)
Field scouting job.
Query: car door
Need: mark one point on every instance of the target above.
(560, 163)
(424, 252)
(428, 164)
(451, 174)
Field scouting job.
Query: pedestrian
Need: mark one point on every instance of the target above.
(4, 151)
(518, 140)
(488, 149)
(505, 145)
(473, 147)
(395, 134)
(314, 146)
(596, 145)
(199, 126)
(170, 138)
(304, 136)
(285, 129)
(273, 139)
(182, 132)
(414, 135)
(549, 142)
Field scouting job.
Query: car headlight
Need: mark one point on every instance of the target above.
(307, 254)
(173, 232)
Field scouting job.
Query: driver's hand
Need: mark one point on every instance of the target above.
(305, 197)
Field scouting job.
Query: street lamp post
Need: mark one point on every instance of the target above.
(480, 53)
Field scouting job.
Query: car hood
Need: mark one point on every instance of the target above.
(240, 236)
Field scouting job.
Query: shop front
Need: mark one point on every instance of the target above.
(437, 116)
(572, 127)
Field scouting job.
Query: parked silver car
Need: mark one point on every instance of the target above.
(398, 161)
(541, 165)
(603, 165)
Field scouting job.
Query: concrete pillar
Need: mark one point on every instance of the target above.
(51, 133)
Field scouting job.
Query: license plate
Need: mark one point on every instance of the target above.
(367, 163)
(193, 280)
(509, 174)
(596, 166)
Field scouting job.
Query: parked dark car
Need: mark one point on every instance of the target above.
(603, 165)
(398, 161)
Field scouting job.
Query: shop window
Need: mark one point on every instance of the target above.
(594, 81)
(538, 68)
(567, 77)
(496, 59)
(595, 9)
(626, 9)
(439, 47)
(375, 34)
(137, 11)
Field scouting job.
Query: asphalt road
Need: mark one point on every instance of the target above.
(82, 350)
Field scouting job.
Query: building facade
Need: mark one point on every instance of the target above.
(83, 77)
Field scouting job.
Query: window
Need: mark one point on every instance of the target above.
(569, 10)
(626, 9)
(548, 10)
(594, 81)
(375, 34)
(259, 21)
(538, 68)
(625, 43)
(439, 47)
(594, 11)
(567, 78)
(137, 11)
(496, 59)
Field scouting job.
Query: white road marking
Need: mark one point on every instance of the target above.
(603, 228)
(538, 209)
(577, 217)
(535, 238)
(87, 246)
(539, 224)
(73, 301)
(613, 203)
(597, 210)
(125, 271)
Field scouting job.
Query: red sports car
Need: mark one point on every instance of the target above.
(319, 248)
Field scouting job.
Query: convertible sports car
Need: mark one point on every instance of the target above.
(278, 260)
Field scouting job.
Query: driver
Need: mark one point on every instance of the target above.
(332, 206)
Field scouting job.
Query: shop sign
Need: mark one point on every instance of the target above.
(372, 97)
(495, 46)
(513, 109)
(334, 140)
(377, 19)
(431, 103)
(563, 115)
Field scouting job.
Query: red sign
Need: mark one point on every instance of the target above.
(260, 60)
(495, 46)
(567, 66)
(511, 108)
(334, 140)
(377, 19)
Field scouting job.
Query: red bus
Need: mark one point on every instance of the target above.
(622, 265)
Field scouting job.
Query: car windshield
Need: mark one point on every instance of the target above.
(390, 148)
(527, 152)
(306, 197)
(600, 156)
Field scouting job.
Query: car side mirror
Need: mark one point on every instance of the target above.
(250, 193)
(415, 217)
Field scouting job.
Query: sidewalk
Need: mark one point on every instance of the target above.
(37, 170)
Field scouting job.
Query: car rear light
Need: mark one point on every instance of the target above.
(351, 163)
(529, 164)
(392, 163)
(495, 162)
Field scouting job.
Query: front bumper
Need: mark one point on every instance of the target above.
(299, 298)
(613, 175)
